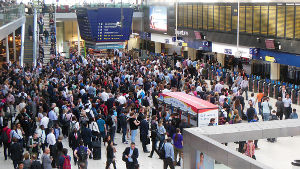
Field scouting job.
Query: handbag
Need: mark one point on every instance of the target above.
(147, 141)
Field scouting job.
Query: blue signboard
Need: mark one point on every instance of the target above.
(105, 24)
(228, 51)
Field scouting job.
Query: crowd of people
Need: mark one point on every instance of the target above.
(90, 99)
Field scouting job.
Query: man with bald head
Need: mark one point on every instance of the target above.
(46, 159)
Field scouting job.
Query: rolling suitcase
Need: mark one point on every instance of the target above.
(96, 149)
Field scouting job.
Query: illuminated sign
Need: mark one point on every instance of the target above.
(158, 18)
(270, 59)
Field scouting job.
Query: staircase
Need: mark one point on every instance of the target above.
(46, 47)
(28, 44)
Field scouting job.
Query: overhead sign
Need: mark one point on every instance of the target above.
(228, 51)
(182, 33)
(105, 24)
(270, 59)
(109, 46)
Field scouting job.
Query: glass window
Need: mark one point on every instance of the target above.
(200, 16)
(297, 25)
(264, 20)
(242, 19)
(256, 20)
(280, 21)
(228, 18)
(185, 16)
(210, 17)
(249, 12)
(272, 21)
(195, 16)
(216, 17)
(190, 16)
(222, 18)
(205, 9)
(290, 12)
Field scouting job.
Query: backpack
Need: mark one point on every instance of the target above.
(162, 152)
(67, 163)
(82, 153)
(4, 136)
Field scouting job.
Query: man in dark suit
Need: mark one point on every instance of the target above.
(74, 139)
(86, 135)
(144, 128)
(130, 156)
(16, 152)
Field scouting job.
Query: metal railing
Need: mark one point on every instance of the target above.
(11, 13)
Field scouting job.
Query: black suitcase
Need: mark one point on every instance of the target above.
(96, 150)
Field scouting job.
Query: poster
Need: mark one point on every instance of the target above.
(204, 118)
(203, 161)
(158, 18)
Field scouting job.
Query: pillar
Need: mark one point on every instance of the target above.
(35, 36)
(14, 46)
(7, 50)
(192, 53)
(22, 44)
(221, 58)
(275, 71)
(78, 41)
(157, 47)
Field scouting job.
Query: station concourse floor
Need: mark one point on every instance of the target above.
(278, 155)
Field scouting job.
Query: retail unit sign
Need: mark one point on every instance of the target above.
(270, 59)
(181, 33)
(228, 51)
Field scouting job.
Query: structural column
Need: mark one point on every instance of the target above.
(22, 44)
(157, 47)
(275, 71)
(221, 58)
(192, 53)
(35, 34)
(14, 45)
(7, 50)
(78, 34)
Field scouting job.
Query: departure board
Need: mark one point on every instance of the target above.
(190, 16)
(180, 15)
(210, 17)
(264, 20)
(242, 19)
(272, 21)
(228, 18)
(185, 15)
(216, 17)
(104, 24)
(200, 16)
(222, 18)
(195, 16)
(290, 11)
(205, 12)
(280, 21)
(297, 24)
(249, 12)
(256, 20)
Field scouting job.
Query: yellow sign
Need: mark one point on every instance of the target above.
(269, 59)
(184, 44)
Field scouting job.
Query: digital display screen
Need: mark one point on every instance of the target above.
(105, 24)
(158, 18)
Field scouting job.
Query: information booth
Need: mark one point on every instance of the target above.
(198, 112)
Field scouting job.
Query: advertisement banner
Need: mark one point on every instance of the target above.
(158, 18)
(203, 161)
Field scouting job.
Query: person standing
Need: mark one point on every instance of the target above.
(102, 127)
(16, 152)
(250, 111)
(51, 141)
(86, 135)
(46, 159)
(245, 86)
(82, 153)
(130, 156)
(259, 100)
(153, 135)
(287, 102)
(46, 34)
(161, 133)
(169, 154)
(6, 139)
(178, 146)
(266, 109)
(280, 108)
(123, 125)
(64, 160)
(134, 125)
(74, 139)
(110, 150)
(144, 129)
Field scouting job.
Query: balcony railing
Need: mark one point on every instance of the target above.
(10, 13)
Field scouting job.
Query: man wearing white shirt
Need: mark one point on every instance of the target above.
(104, 96)
(44, 121)
(121, 99)
(42, 135)
(51, 141)
(244, 86)
(219, 87)
(287, 102)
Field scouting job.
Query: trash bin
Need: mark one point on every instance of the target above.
(296, 164)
